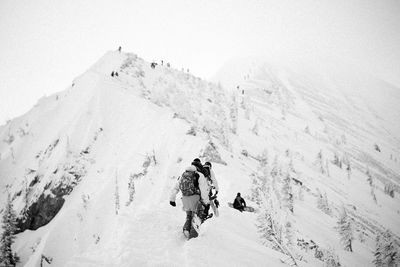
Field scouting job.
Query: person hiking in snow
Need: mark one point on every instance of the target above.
(194, 188)
(212, 183)
(239, 203)
(205, 171)
(211, 176)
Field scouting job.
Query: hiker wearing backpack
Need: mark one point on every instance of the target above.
(194, 188)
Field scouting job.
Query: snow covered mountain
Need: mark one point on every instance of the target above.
(90, 169)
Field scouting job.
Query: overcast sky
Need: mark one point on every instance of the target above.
(44, 44)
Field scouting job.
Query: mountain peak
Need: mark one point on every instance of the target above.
(90, 169)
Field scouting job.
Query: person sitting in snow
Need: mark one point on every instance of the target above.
(194, 188)
(239, 203)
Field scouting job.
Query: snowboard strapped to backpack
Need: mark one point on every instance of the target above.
(189, 183)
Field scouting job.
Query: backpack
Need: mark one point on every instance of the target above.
(189, 183)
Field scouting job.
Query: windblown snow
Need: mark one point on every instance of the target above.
(99, 159)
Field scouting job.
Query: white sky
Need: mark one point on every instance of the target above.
(44, 44)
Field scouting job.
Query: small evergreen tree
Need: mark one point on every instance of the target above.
(345, 230)
(7, 258)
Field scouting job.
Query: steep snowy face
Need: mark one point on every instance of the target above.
(332, 134)
(114, 140)
(90, 169)
(343, 104)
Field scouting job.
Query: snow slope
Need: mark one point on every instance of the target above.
(112, 148)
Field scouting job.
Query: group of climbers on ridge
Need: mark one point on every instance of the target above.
(197, 184)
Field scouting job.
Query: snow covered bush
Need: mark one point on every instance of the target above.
(192, 131)
(386, 250)
(210, 153)
(9, 139)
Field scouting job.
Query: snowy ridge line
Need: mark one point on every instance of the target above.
(297, 140)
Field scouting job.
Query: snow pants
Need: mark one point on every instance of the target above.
(188, 222)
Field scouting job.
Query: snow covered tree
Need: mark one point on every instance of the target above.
(263, 158)
(389, 189)
(211, 153)
(331, 259)
(369, 177)
(336, 160)
(192, 131)
(43, 258)
(131, 189)
(386, 251)
(320, 162)
(323, 204)
(288, 234)
(348, 169)
(275, 167)
(287, 194)
(255, 128)
(116, 194)
(344, 226)
(300, 194)
(327, 168)
(7, 258)
(234, 114)
(373, 195)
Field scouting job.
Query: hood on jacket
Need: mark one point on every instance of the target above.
(191, 168)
